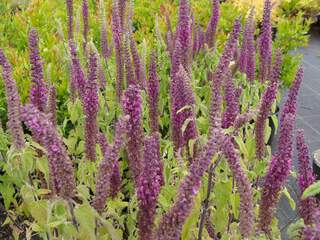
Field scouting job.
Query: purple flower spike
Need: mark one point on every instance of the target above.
(265, 42)
(171, 224)
(78, 81)
(85, 17)
(52, 105)
(246, 214)
(251, 49)
(70, 18)
(117, 39)
(132, 106)
(232, 103)
(91, 107)
(291, 103)
(213, 23)
(248, 37)
(268, 98)
(130, 77)
(308, 207)
(184, 35)
(61, 172)
(105, 49)
(182, 103)
(228, 53)
(278, 172)
(38, 91)
(170, 39)
(140, 75)
(14, 103)
(106, 174)
(153, 94)
(122, 4)
(215, 102)
(148, 188)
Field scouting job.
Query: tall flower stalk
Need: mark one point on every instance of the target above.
(265, 42)
(69, 4)
(213, 23)
(246, 214)
(171, 224)
(184, 34)
(278, 171)
(108, 172)
(308, 207)
(91, 107)
(148, 187)
(78, 79)
(153, 94)
(231, 100)
(61, 172)
(85, 19)
(105, 48)
(14, 103)
(268, 98)
(132, 106)
(182, 104)
(117, 39)
(38, 91)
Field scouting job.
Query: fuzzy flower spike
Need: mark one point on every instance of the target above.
(91, 107)
(171, 224)
(61, 174)
(132, 106)
(148, 188)
(14, 103)
(38, 91)
(213, 23)
(265, 42)
(105, 186)
(308, 207)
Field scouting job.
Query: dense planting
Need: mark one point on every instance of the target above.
(167, 141)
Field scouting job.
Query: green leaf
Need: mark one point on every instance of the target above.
(85, 216)
(39, 211)
(312, 190)
(290, 199)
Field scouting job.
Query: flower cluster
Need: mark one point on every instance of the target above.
(91, 107)
(247, 60)
(182, 103)
(153, 94)
(14, 103)
(85, 17)
(277, 174)
(172, 222)
(268, 98)
(213, 23)
(265, 42)
(70, 18)
(232, 102)
(117, 36)
(149, 187)
(244, 187)
(62, 179)
(308, 207)
(109, 173)
(38, 91)
(132, 106)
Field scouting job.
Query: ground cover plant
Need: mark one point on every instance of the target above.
(166, 138)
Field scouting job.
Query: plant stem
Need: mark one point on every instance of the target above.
(206, 200)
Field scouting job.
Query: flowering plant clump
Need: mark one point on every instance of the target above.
(164, 139)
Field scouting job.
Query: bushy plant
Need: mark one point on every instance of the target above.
(175, 150)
